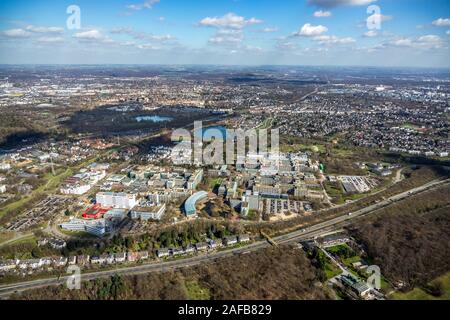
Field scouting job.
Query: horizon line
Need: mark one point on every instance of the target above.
(223, 65)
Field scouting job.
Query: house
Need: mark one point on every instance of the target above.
(34, 263)
(177, 252)
(334, 240)
(229, 241)
(201, 246)
(61, 261)
(98, 260)
(46, 261)
(110, 259)
(83, 260)
(72, 260)
(120, 257)
(143, 255)
(361, 288)
(212, 244)
(57, 243)
(8, 265)
(189, 249)
(244, 238)
(161, 253)
(132, 256)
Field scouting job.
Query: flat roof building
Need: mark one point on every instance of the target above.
(189, 205)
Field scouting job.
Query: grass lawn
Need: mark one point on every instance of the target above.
(196, 292)
(28, 239)
(331, 270)
(212, 183)
(338, 248)
(419, 294)
(349, 261)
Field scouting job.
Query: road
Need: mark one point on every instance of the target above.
(309, 233)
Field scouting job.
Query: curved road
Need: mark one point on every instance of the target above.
(157, 266)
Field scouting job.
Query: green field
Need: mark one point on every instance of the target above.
(420, 294)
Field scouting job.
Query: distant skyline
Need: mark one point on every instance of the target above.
(413, 33)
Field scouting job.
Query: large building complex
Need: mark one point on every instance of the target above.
(148, 213)
(95, 227)
(189, 206)
(116, 200)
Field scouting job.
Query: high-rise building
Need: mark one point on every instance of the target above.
(116, 200)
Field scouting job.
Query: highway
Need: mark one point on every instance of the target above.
(158, 266)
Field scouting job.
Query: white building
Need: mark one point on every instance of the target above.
(116, 200)
(148, 213)
(75, 189)
(95, 227)
(195, 179)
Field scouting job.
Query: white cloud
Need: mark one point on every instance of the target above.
(402, 43)
(442, 22)
(152, 37)
(122, 30)
(50, 40)
(371, 34)
(89, 35)
(147, 47)
(36, 29)
(281, 45)
(128, 43)
(322, 14)
(423, 42)
(227, 37)
(268, 30)
(230, 20)
(448, 32)
(145, 5)
(16, 33)
(309, 30)
(429, 38)
(333, 40)
(336, 3)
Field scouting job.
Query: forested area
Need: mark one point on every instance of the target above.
(272, 273)
(410, 239)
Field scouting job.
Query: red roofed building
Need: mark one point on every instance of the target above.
(94, 212)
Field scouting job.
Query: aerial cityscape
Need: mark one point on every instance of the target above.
(225, 150)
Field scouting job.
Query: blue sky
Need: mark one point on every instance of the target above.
(246, 32)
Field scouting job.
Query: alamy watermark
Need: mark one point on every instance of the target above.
(74, 20)
(374, 280)
(374, 20)
(74, 280)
